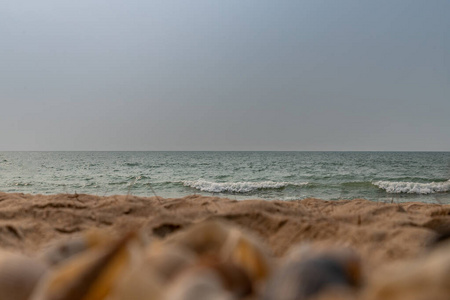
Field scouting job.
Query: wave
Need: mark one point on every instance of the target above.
(21, 184)
(396, 187)
(132, 164)
(237, 187)
(357, 184)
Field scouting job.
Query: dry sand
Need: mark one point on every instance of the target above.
(381, 233)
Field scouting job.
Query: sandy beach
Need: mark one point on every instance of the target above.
(381, 233)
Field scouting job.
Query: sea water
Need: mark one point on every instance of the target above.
(377, 176)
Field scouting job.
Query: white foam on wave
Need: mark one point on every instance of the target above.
(237, 187)
(413, 187)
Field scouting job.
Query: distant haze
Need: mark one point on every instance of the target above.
(225, 75)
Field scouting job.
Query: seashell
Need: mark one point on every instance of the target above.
(205, 237)
(232, 245)
(311, 274)
(234, 279)
(247, 252)
(19, 275)
(140, 283)
(167, 260)
(198, 284)
(92, 274)
(160, 264)
(62, 250)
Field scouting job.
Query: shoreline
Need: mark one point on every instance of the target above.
(165, 247)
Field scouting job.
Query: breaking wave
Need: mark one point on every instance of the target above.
(413, 187)
(237, 187)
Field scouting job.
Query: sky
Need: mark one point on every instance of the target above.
(225, 75)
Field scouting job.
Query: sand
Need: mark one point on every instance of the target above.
(380, 232)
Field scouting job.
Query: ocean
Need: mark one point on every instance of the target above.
(377, 176)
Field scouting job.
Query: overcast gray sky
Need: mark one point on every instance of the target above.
(224, 75)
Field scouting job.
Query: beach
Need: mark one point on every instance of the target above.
(226, 150)
(380, 233)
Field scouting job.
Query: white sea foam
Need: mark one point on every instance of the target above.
(413, 187)
(237, 187)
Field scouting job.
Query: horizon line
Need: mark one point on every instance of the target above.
(224, 150)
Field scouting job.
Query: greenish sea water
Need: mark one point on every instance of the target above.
(378, 176)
